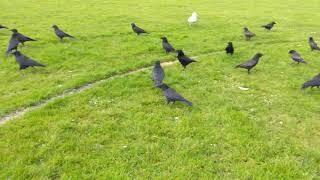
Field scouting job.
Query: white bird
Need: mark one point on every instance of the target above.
(193, 18)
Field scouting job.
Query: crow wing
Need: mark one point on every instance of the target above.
(25, 61)
(168, 47)
(158, 75)
(13, 44)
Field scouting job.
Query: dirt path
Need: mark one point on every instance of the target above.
(70, 92)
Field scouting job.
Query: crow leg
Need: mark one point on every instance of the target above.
(169, 101)
(248, 71)
(184, 72)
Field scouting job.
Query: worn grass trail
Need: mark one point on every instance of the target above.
(70, 92)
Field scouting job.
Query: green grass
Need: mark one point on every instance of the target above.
(123, 128)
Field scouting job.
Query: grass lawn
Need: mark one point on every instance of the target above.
(123, 128)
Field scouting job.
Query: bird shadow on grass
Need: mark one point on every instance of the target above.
(64, 41)
(311, 91)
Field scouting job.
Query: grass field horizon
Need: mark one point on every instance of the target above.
(122, 128)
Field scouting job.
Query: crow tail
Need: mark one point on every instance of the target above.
(187, 102)
(68, 35)
(41, 65)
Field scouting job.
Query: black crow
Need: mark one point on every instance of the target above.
(250, 63)
(172, 95)
(25, 61)
(3, 27)
(166, 45)
(137, 29)
(248, 34)
(183, 59)
(13, 44)
(269, 26)
(295, 56)
(157, 74)
(61, 34)
(313, 44)
(229, 49)
(314, 82)
(21, 38)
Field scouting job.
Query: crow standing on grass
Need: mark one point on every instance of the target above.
(248, 34)
(157, 74)
(137, 29)
(313, 44)
(172, 96)
(21, 38)
(3, 27)
(229, 49)
(183, 59)
(13, 44)
(25, 61)
(250, 63)
(269, 26)
(61, 34)
(314, 82)
(295, 56)
(166, 45)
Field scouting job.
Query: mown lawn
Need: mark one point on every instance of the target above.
(124, 129)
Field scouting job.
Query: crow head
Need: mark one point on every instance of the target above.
(14, 30)
(259, 54)
(17, 53)
(180, 52)
(164, 39)
(55, 26)
(292, 51)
